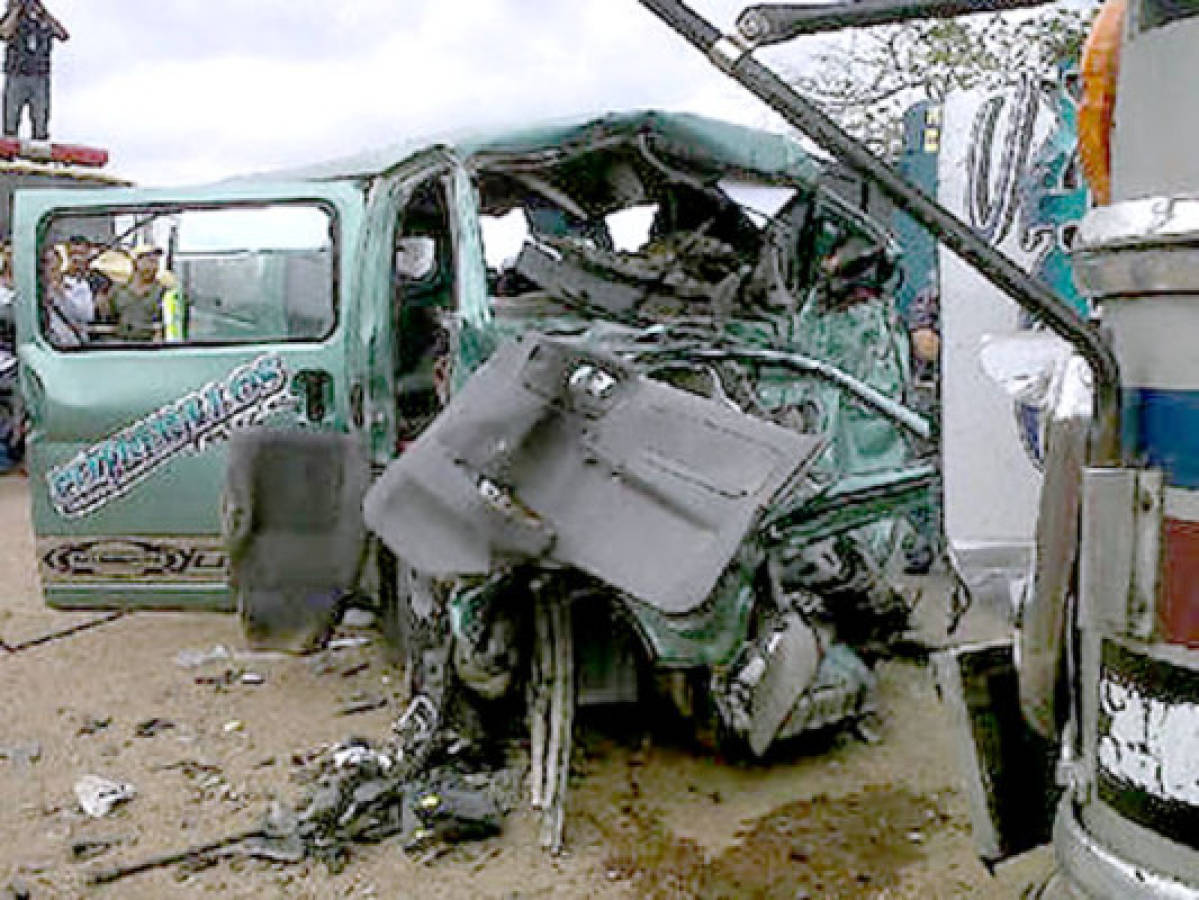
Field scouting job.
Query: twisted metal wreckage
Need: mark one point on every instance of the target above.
(690, 459)
(692, 445)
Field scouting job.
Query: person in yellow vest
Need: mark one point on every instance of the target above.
(174, 313)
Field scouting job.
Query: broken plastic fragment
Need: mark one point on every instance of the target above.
(356, 755)
(193, 659)
(98, 795)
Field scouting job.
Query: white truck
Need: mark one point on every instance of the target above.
(1088, 718)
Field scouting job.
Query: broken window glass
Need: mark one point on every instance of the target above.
(187, 276)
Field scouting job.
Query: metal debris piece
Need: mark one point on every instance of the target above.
(540, 690)
(562, 718)
(199, 851)
(548, 438)
(280, 840)
(219, 682)
(194, 659)
(359, 755)
(94, 724)
(361, 703)
(89, 848)
(762, 685)
(845, 690)
(152, 727)
(98, 795)
(551, 713)
(288, 849)
(362, 793)
(62, 633)
(449, 815)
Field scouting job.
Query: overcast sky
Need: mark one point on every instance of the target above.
(182, 91)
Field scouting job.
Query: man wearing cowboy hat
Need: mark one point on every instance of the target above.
(137, 306)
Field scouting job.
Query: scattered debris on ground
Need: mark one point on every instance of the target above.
(93, 725)
(152, 727)
(87, 849)
(98, 795)
(193, 853)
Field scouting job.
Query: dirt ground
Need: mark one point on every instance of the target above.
(648, 815)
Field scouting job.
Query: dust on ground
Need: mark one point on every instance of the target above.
(649, 814)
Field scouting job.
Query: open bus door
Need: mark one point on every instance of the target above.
(246, 323)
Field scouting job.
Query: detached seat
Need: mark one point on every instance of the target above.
(292, 523)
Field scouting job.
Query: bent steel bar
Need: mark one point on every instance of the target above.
(774, 23)
(733, 56)
(880, 402)
(851, 503)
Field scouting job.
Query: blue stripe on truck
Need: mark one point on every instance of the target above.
(1161, 428)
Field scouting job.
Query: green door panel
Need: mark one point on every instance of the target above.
(128, 443)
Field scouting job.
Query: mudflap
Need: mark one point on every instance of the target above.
(292, 523)
(1008, 767)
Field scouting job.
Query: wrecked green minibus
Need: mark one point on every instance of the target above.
(310, 301)
(593, 409)
(596, 409)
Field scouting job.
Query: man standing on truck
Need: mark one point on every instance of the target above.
(29, 30)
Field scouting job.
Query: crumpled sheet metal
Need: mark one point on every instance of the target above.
(556, 452)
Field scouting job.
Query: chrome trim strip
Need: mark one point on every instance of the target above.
(1098, 872)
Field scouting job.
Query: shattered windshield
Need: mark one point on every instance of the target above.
(630, 236)
(631, 250)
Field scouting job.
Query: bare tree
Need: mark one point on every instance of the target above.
(868, 79)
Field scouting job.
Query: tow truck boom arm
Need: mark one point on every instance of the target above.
(773, 23)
